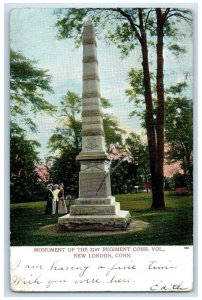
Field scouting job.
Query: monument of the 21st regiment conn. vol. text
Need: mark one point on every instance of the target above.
(96, 208)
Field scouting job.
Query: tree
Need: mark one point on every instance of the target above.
(179, 128)
(27, 87)
(127, 28)
(113, 133)
(139, 155)
(66, 141)
(124, 178)
(178, 119)
(65, 169)
(136, 93)
(69, 130)
(23, 161)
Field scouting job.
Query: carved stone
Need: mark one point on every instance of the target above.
(96, 208)
(119, 221)
(95, 201)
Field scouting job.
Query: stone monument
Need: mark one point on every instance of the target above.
(96, 208)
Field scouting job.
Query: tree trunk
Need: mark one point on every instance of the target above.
(159, 202)
(155, 137)
(151, 137)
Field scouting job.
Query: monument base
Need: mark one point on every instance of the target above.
(119, 221)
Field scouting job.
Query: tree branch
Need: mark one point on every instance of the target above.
(165, 14)
(179, 16)
(147, 17)
(132, 24)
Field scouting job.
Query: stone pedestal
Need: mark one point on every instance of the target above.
(95, 209)
(114, 222)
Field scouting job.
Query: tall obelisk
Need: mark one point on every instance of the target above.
(96, 208)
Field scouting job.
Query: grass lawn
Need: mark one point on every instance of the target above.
(172, 226)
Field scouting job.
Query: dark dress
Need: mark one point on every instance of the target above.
(49, 198)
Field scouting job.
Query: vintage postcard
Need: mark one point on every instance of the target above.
(101, 149)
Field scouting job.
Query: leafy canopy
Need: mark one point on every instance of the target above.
(121, 26)
(68, 132)
(28, 85)
(23, 161)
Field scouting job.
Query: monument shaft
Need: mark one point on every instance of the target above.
(96, 208)
(92, 123)
(93, 179)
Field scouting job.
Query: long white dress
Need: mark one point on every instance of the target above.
(55, 200)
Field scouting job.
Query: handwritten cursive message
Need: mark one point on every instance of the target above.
(110, 268)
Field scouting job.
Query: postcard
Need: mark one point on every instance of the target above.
(101, 149)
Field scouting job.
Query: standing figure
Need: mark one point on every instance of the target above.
(62, 208)
(55, 199)
(49, 198)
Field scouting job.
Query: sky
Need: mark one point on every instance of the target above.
(33, 32)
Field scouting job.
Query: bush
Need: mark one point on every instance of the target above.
(179, 181)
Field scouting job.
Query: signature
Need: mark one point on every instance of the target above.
(163, 286)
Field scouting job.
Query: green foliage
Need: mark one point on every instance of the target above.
(181, 181)
(71, 104)
(113, 134)
(179, 127)
(177, 49)
(66, 141)
(176, 89)
(69, 23)
(23, 160)
(124, 178)
(126, 28)
(123, 37)
(135, 77)
(114, 25)
(27, 87)
(139, 155)
(136, 93)
(16, 130)
(178, 117)
(65, 169)
(105, 103)
(68, 133)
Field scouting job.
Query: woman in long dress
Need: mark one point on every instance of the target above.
(49, 198)
(55, 199)
(62, 208)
